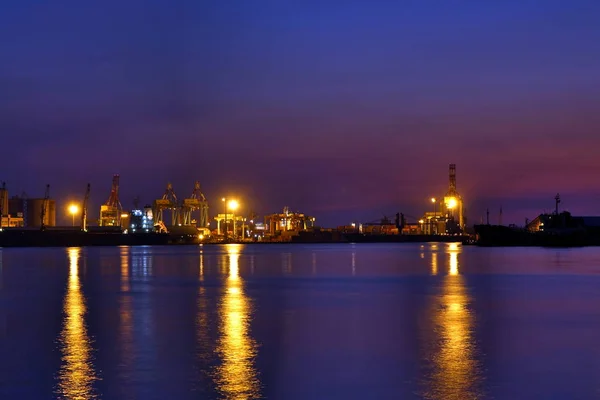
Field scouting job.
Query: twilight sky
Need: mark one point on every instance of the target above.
(344, 110)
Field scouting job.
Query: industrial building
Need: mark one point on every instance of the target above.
(141, 219)
(287, 224)
(29, 212)
(8, 220)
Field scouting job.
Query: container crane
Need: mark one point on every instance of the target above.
(196, 201)
(84, 209)
(45, 208)
(168, 201)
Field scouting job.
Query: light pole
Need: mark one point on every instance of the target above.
(233, 205)
(73, 209)
(434, 201)
(224, 227)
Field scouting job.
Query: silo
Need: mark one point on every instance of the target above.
(4, 201)
(34, 213)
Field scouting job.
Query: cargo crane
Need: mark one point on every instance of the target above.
(45, 208)
(196, 201)
(110, 212)
(84, 209)
(168, 201)
(24, 197)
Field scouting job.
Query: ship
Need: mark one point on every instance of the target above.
(19, 237)
(557, 229)
(399, 238)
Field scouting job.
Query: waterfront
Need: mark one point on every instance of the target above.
(381, 321)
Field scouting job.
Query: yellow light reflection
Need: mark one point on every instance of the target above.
(434, 263)
(237, 376)
(126, 336)
(204, 349)
(77, 374)
(201, 265)
(125, 269)
(453, 250)
(456, 373)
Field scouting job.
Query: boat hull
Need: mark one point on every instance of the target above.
(504, 236)
(364, 238)
(35, 238)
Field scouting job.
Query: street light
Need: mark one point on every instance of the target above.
(73, 209)
(432, 221)
(230, 205)
(224, 219)
(233, 205)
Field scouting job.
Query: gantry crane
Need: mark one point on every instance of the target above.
(84, 209)
(196, 201)
(168, 201)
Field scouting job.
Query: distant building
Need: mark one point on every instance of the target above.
(30, 211)
(288, 223)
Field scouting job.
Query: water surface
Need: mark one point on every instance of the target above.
(368, 321)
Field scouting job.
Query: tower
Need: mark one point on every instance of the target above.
(452, 175)
(453, 203)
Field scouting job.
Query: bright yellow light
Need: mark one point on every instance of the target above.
(453, 250)
(124, 215)
(433, 199)
(421, 221)
(233, 205)
(451, 203)
(222, 198)
(73, 209)
(200, 236)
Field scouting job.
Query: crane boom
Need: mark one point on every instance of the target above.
(84, 209)
(45, 207)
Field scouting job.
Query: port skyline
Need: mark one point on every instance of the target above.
(350, 114)
(504, 210)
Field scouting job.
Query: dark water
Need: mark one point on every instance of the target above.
(300, 322)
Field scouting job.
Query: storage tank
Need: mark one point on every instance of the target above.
(34, 213)
(4, 201)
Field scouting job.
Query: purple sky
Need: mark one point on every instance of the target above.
(343, 110)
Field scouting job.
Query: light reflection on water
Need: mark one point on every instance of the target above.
(77, 374)
(126, 335)
(455, 371)
(435, 321)
(236, 377)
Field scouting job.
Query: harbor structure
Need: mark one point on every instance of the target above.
(110, 212)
